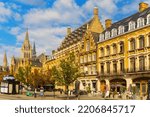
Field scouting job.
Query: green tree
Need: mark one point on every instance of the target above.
(67, 72)
(24, 75)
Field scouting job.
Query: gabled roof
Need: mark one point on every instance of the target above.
(74, 36)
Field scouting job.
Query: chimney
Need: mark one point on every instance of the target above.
(143, 6)
(95, 11)
(68, 31)
(108, 23)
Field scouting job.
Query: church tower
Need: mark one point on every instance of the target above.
(26, 49)
(34, 51)
(5, 62)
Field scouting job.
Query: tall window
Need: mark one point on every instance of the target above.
(121, 29)
(108, 50)
(107, 35)
(101, 37)
(81, 59)
(141, 63)
(88, 45)
(132, 64)
(140, 22)
(132, 44)
(141, 42)
(114, 32)
(102, 68)
(89, 57)
(121, 47)
(114, 48)
(102, 52)
(115, 66)
(122, 65)
(148, 19)
(94, 69)
(94, 57)
(131, 25)
(85, 58)
(108, 67)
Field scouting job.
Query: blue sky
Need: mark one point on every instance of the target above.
(47, 20)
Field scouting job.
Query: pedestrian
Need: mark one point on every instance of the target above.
(35, 93)
(41, 91)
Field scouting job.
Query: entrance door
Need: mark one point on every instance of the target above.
(143, 88)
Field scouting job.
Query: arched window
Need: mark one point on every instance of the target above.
(108, 50)
(101, 37)
(114, 48)
(132, 44)
(141, 42)
(121, 29)
(140, 22)
(148, 19)
(131, 25)
(114, 32)
(107, 35)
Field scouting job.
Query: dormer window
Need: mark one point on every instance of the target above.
(140, 22)
(131, 25)
(148, 19)
(101, 37)
(114, 32)
(107, 35)
(121, 29)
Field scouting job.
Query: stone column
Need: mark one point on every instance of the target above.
(137, 63)
(146, 62)
(128, 82)
(108, 84)
(111, 67)
(81, 85)
(98, 85)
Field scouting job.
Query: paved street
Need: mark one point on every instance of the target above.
(48, 96)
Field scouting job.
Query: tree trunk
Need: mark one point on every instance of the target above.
(67, 89)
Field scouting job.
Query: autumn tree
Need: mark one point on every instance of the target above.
(67, 72)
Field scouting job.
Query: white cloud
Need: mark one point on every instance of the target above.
(5, 12)
(132, 7)
(10, 51)
(47, 27)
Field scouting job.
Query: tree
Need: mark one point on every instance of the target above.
(2, 74)
(24, 75)
(67, 72)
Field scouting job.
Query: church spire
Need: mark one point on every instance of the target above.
(26, 37)
(34, 51)
(5, 60)
(26, 47)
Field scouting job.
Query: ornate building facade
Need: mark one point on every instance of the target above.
(124, 53)
(74, 42)
(112, 57)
